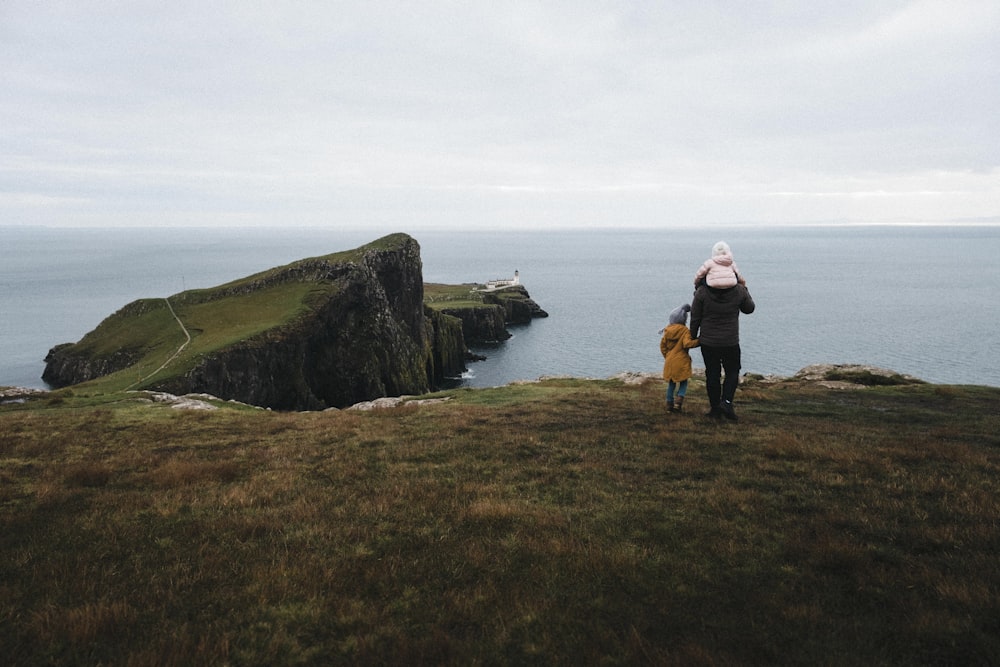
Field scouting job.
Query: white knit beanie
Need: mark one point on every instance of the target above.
(720, 248)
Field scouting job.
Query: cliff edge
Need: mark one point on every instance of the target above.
(322, 332)
(484, 314)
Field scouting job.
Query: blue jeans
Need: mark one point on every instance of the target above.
(681, 387)
(717, 360)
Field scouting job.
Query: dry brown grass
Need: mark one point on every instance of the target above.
(564, 523)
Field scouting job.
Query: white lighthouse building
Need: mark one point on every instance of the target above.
(503, 282)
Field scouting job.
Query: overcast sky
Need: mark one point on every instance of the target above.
(408, 115)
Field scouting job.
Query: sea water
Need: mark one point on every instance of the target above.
(917, 300)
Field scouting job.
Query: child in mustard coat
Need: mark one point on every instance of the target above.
(674, 347)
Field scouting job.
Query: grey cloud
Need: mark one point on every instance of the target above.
(539, 111)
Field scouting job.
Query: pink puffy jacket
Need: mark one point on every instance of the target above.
(720, 271)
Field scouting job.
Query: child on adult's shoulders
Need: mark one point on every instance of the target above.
(720, 270)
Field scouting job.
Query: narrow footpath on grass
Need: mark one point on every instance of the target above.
(187, 336)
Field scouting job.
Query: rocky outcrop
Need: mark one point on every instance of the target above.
(64, 366)
(448, 350)
(485, 312)
(362, 333)
(488, 321)
(481, 324)
(519, 307)
(102, 351)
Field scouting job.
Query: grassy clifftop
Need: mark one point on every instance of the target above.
(153, 334)
(323, 332)
(560, 522)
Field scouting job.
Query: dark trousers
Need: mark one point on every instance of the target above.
(717, 360)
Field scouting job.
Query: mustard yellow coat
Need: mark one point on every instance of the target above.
(674, 347)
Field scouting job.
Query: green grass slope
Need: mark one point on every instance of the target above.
(213, 318)
(440, 296)
(566, 522)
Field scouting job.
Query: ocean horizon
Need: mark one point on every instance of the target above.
(918, 300)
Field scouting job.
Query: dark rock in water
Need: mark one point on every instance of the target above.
(364, 333)
(485, 311)
(519, 308)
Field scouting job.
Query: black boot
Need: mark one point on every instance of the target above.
(714, 413)
(680, 404)
(671, 406)
(728, 412)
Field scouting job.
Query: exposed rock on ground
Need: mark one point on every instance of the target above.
(394, 402)
(19, 394)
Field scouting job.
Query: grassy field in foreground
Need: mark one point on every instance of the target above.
(563, 523)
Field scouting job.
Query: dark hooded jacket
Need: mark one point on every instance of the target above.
(715, 314)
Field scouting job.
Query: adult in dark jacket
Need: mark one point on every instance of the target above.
(715, 322)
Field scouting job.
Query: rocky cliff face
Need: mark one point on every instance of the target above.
(481, 324)
(519, 307)
(487, 323)
(63, 366)
(367, 336)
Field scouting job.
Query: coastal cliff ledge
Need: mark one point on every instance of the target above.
(327, 331)
(485, 313)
